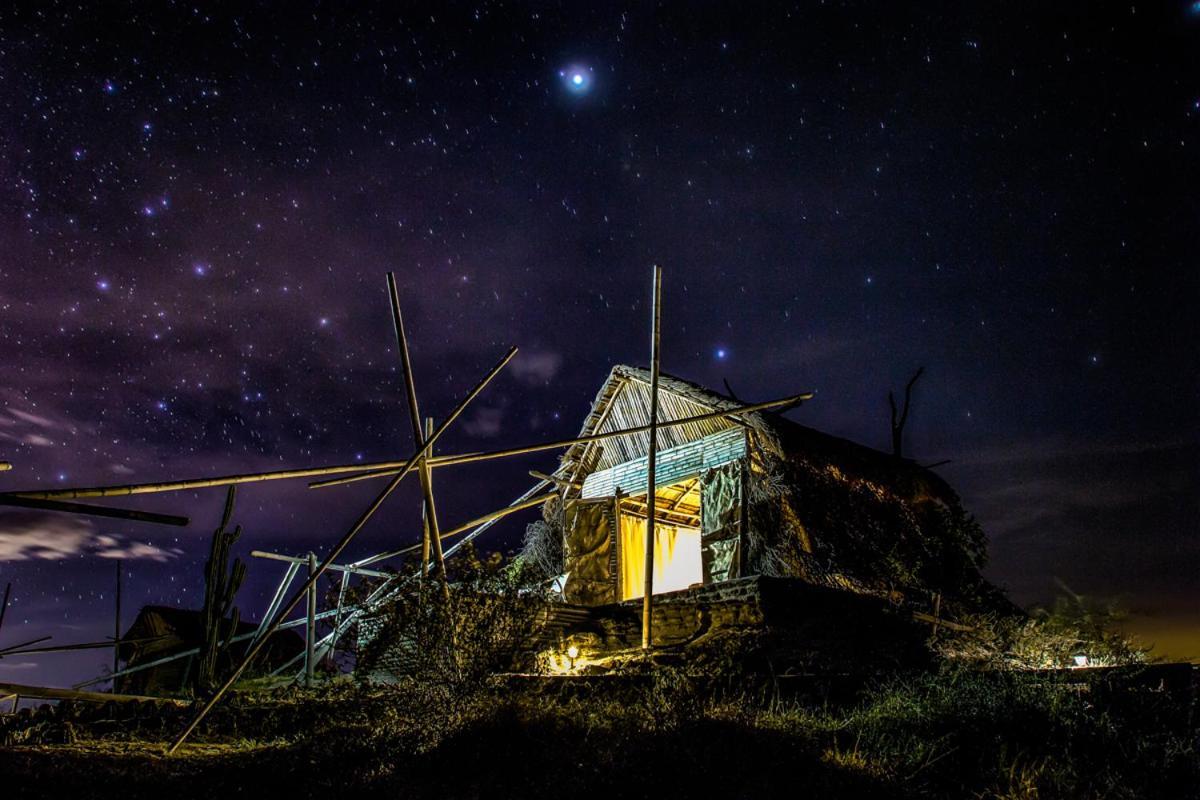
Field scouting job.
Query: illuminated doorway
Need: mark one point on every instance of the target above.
(677, 559)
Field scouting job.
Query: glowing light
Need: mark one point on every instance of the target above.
(577, 80)
(721, 353)
(572, 652)
(677, 560)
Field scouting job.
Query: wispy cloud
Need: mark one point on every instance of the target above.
(30, 536)
(536, 368)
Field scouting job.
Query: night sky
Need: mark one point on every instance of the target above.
(199, 202)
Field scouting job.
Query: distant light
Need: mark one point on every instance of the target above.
(103, 285)
(577, 79)
(324, 322)
(200, 269)
(721, 353)
(1081, 661)
(572, 652)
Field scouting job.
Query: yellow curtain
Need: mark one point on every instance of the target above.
(677, 563)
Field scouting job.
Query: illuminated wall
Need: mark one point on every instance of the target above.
(677, 563)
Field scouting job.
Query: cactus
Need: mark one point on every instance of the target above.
(220, 616)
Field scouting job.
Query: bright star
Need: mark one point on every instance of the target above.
(578, 80)
(721, 353)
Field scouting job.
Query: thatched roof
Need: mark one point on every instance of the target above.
(623, 402)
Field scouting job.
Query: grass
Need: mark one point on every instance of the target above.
(954, 734)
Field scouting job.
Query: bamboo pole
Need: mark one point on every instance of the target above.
(429, 520)
(310, 629)
(556, 480)
(652, 456)
(346, 568)
(334, 553)
(13, 648)
(20, 501)
(280, 592)
(4, 603)
(379, 471)
(414, 414)
(117, 626)
(52, 693)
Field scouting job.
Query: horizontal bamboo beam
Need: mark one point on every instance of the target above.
(94, 511)
(52, 693)
(388, 467)
(335, 567)
(467, 458)
(542, 476)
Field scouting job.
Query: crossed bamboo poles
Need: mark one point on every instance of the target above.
(396, 471)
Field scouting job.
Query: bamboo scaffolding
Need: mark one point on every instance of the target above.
(652, 456)
(347, 568)
(377, 471)
(20, 501)
(337, 549)
(386, 590)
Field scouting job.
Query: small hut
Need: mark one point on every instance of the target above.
(159, 632)
(752, 497)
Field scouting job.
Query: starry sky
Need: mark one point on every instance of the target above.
(199, 202)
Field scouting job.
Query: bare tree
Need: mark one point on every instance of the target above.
(898, 422)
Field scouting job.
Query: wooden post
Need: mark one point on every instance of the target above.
(117, 627)
(652, 456)
(310, 628)
(336, 551)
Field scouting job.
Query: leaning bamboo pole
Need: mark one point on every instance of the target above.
(652, 455)
(377, 471)
(337, 551)
(414, 415)
(381, 468)
(132, 515)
